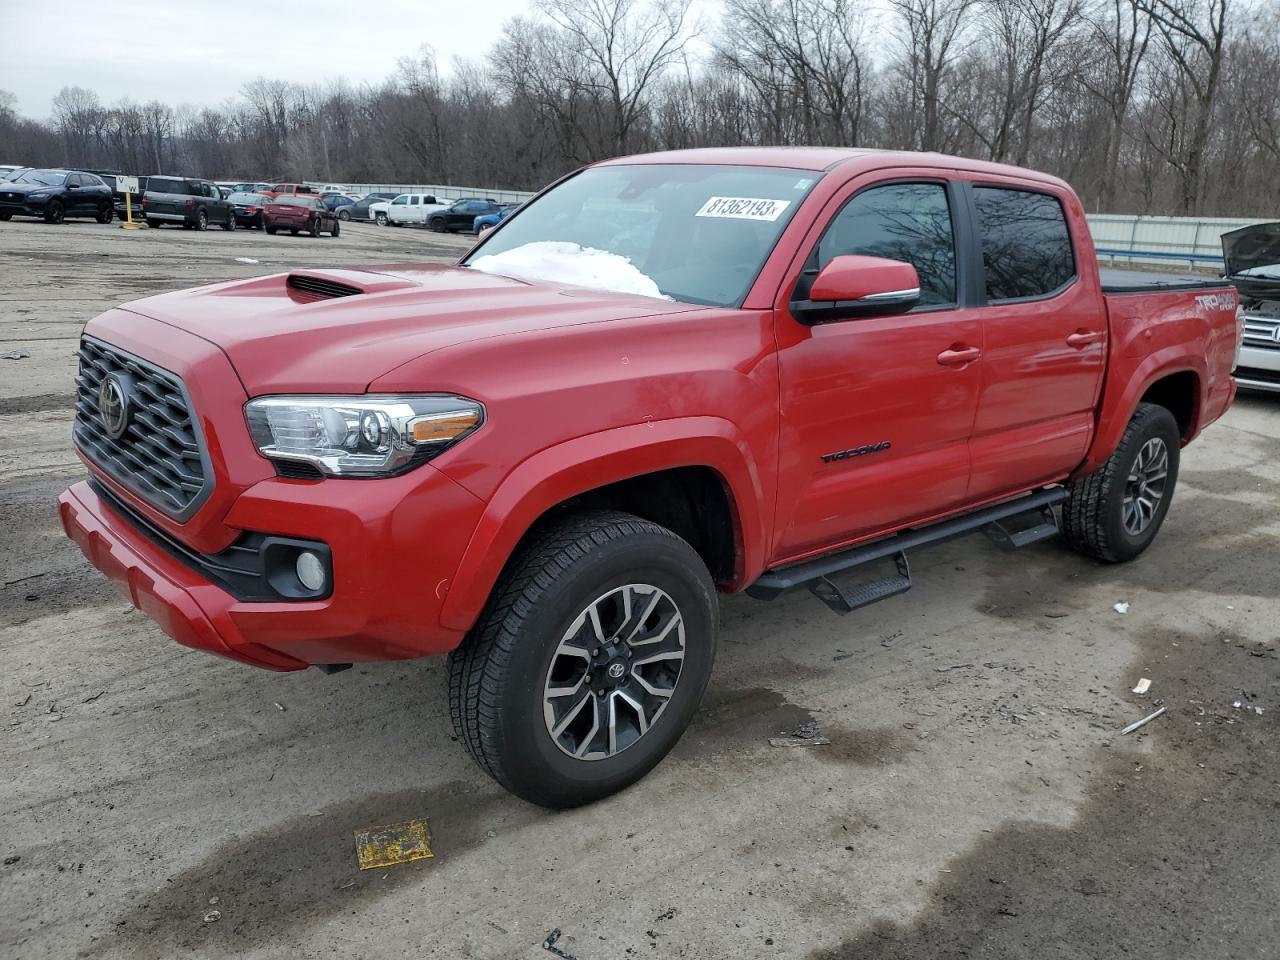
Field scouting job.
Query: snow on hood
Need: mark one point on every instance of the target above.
(560, 262)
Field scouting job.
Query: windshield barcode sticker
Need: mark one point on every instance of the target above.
(743, 208)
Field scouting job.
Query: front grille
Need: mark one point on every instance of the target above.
(11, 197)
(316, 288)
(1261, 332)
(160, 455)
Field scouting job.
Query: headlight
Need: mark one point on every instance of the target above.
(363, 436)
(40, 195)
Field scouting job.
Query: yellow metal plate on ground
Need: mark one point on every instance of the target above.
(393, 844)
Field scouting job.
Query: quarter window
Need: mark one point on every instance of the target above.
(900, 221)
(1026, 247)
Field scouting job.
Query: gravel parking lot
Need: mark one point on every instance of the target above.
(975, 799)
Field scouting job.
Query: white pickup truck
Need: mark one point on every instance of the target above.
(414, 208)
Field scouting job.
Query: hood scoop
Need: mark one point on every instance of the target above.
(307, 288)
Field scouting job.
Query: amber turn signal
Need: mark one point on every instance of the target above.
(443, 427)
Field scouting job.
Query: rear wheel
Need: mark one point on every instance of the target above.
(589, 660)
(106, 213)
(336, 227)
(436, 224)
(54, 212)
(154, 224)
(202, 219)
(315, 227)
(230, 223)
(261, 222)
(343, 215)
(1115, 512)
(271, 230)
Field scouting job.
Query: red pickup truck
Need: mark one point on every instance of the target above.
(666, 377)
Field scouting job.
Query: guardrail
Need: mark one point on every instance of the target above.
(1195, 241)
(443, 190)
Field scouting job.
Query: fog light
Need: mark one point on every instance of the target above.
(310, 570)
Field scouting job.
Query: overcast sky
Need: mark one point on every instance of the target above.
(181, 51)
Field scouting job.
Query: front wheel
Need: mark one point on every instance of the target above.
(271, 230)
(380, 219)
(54, 212)
(589, 661)
(1115, 512)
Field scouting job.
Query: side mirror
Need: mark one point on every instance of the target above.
(850, 287)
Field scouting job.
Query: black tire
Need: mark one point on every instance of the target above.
(315, 227)
(293, 232)
(497, 676)
(5, 217)
(230, 223)
(54, 212)
(343, 215)
(380, 219)
(270, 230)
(262, 221)
(106, 213)
(336, 228)
(1093, 517)
(202, 220)
(436, 224)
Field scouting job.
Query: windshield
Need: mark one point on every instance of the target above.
(288, 201)
(50, 178)
(247, 198)
(699, 232)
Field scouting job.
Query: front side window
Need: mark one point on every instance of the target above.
(1026, 247)
(400, 201)
(900, 221)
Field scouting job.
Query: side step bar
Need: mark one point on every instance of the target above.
(1010, 525)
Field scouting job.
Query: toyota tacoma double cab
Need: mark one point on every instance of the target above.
(665, 378)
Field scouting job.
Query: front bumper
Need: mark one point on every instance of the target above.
(395, 543)
(23, 208)
(1259, 368)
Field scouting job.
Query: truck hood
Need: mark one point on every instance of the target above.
(1255, 249)
(337, 331)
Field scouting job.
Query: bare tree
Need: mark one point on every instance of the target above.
(934, 32)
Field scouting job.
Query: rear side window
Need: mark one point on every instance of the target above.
(1026, 247)
(900, 221)
(161, 185)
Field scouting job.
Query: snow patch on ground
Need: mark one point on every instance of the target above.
(560, 262)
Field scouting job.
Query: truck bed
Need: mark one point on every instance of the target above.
(1139, 281)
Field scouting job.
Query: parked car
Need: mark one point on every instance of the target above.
(249, 209)
(413, 208)
(336, 202)
(362, 209)
(299, 213)
(289, 190)
(258, 187)
(8, 168)
(195, 204)
(1252, 258)
(55, 195)
(876, 352)
(489, 220)
(461, 215)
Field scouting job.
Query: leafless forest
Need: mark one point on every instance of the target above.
(1146, 106)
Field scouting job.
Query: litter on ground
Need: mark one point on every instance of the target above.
(393, 844)
(247, 260)
(1121, 607)
(1142, 686)
(1141, 723)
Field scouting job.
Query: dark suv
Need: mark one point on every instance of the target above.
(461, 215)
(55, 195)
(193, 203)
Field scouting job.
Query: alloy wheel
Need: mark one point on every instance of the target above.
(614, 672)
(1145, 487)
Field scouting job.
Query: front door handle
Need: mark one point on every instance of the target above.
(958, 356)
(1082, 338)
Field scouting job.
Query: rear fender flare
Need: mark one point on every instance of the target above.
(1116, 414)
(586, 463)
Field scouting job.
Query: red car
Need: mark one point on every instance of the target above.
(300, 214)
(670, 377)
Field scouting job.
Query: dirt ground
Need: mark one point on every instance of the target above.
(976, 799)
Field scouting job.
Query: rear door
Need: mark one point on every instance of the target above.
(877, 411)
(78, 198)
(1045, 336)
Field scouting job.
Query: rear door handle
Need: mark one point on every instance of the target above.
(1082, 338)
(958, 356)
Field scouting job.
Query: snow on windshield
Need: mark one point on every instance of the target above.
(559, 262)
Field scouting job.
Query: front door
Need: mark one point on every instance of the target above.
(877, 412)
(1045, 341)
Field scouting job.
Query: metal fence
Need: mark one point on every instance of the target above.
(1167, 241)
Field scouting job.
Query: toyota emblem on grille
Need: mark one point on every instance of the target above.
(113, 406)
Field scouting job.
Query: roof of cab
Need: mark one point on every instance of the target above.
(825, 158)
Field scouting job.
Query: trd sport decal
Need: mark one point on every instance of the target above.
(856, 451)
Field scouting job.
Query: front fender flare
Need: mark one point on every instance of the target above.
(586, 463)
